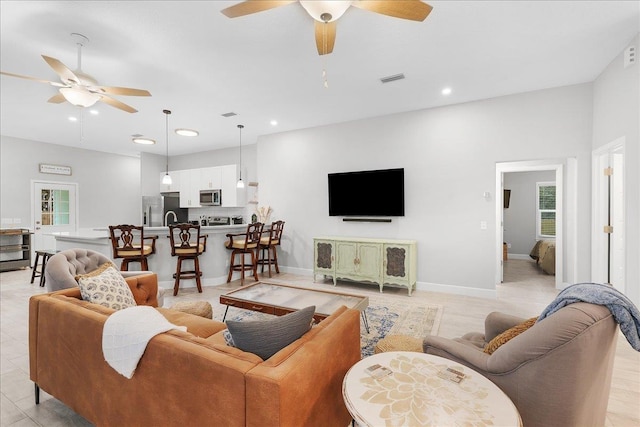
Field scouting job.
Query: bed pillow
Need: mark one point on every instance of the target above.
(266, 337)
(106, 286)
(508, 335)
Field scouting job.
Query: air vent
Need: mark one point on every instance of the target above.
(136, 135)
(629, 56)
(229, 114)
(392, 78)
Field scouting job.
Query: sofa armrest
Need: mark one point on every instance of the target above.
(144, 289)
(496, 323)
(453, 350)
(302, 384)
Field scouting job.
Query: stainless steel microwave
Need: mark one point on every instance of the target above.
(210, 197)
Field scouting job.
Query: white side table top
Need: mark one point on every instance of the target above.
(414, 395)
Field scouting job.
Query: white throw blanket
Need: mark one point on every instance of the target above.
(126, 334)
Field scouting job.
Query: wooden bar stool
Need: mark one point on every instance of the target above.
(244, 244)
(45, 254)
(187, 244)
(268, 245)
(129, 243)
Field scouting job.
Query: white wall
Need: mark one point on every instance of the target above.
(99, 204)
(520, 217)
(449, 155)
(616, 114)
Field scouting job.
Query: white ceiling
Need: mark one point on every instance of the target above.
(200, 64)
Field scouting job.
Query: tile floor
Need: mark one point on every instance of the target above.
(524, 293)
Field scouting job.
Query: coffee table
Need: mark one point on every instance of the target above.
(415, 395)
(279, 299)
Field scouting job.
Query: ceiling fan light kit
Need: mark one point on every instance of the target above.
(79, 88)
(326, 13)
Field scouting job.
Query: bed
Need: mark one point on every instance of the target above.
(544, 252)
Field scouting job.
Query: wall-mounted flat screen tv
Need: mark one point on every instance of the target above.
(367, 193)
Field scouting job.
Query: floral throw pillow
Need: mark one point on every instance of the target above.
(107, 288)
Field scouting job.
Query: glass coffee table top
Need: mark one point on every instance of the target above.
(297, 298)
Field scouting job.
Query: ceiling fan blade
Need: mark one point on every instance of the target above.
(415, 10)
(62, 70)
(31, 78)
(252, 6)
(126, 91)
(325, 36)
(118, 104)
(57, 99)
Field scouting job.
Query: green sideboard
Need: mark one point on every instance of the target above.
(380, 261)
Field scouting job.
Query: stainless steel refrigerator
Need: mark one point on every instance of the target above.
(156, 208)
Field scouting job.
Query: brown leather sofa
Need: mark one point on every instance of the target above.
(188, 378)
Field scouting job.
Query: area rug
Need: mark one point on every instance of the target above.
(390, 315)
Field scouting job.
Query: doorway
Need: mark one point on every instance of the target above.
(565, 267)
(608, 233)
(53, 210)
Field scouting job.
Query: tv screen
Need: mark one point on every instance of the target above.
(367, 193)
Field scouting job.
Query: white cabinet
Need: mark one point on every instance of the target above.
(175, 182)
(189, 182)
(190, 188)
(210, 178)
(380, 261)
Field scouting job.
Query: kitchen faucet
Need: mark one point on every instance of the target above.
(175, 217)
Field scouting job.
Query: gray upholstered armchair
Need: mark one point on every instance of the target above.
(65, 265)
(557, 372)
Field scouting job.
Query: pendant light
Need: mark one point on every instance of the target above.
(166, 180)
(240, 183)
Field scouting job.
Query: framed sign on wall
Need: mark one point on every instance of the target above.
(55, 169)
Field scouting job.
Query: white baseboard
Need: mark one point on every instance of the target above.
(423, 286)
(519, 256)
(457, 290)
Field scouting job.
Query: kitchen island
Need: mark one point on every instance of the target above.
(214, 262)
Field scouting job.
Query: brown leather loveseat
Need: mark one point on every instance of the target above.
(188, 378)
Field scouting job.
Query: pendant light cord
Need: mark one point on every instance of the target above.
(167, 112)
(240, 127)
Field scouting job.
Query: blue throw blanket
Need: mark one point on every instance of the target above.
(621, 307)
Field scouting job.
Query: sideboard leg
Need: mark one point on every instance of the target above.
(37, 391)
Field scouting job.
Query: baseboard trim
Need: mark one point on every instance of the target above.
(519, 256)
(457, 290)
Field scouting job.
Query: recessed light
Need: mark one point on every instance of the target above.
(94, 112)
(446, 91)
(73, 119)
(274, 122)
(143, 140)
(187, 132)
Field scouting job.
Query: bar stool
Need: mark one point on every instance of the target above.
(45, 254)
(186, 245)
(128, 243)
(268, 245)
(244, 244)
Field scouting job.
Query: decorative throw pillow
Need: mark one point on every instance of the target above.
(266, 337)
(106, 287)
(508, 334)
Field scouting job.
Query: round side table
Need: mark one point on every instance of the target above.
(415, 394)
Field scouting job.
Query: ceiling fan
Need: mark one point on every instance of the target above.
(79, 88)
(326, 13)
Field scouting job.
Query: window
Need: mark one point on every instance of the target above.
(546, 209)
(55, 207)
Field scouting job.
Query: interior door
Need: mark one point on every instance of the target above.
(608, 235)
(54, 211)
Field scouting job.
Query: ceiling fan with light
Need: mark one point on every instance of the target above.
(326, 13)
(79, 88)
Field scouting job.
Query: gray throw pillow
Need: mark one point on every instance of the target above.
(266, 337)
